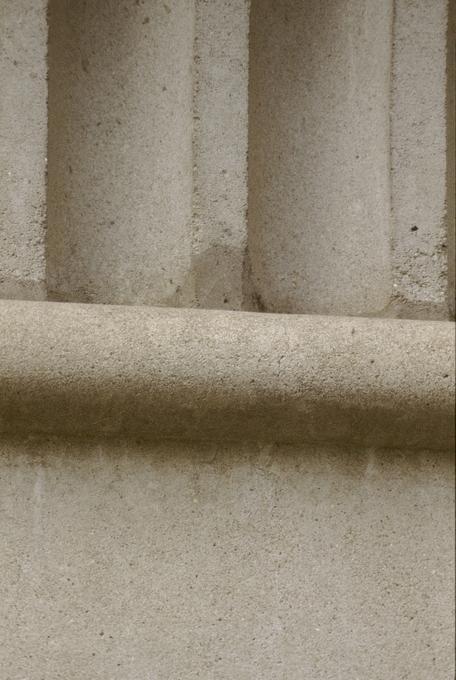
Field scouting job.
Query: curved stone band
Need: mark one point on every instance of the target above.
(89, 370)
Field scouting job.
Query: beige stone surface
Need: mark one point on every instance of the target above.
(23, 137)
(148, 152)
(256, 562)
(422, 145)
(120, 150)
(217, 494)
(209, 374)
(319, 186)
(351, 136)
(220, 125)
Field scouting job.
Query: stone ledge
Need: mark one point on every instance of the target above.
(158, 373)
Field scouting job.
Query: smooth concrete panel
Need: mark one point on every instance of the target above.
(23, 137)
(422, 126)
(120, 150)
(220, 152)
(216, 562)
(319, 187)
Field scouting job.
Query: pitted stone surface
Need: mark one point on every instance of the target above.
(180, 374)
(23, 139)
(215, 562)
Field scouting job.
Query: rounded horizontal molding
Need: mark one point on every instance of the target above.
(90, 370)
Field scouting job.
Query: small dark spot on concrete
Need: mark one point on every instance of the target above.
(70, 169)
(164, 88)
(99, 123)
(112, 223)
(85, 65)
(357, 156)
(353, 331)
(372, 361)
(167, 9)
(446, 375)
(146, 20)
(118, 121)
(225, 300)
(15, 62)
(101, 633)
(414, 228)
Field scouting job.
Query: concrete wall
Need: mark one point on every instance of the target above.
(23, 138)
(351, 155)
(148, 152)
(422, 145)
(120, 150)
(351, 147)
(222, 559)
(319, 238)
(134, 562)
(236, 555)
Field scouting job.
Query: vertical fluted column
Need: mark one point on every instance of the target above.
(148, 152)
(319, 156)
(120, 150)
(23, 132)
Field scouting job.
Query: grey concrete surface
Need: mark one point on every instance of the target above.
(23, 138)
(422, 145)
(254, 562)
(451, 158)
(127, 557)
(195, 374)
(147, 188)
(319, 186)
(120, 150)
(148, 152)
(220, 124)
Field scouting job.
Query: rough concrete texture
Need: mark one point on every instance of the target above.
(319, 187)
(451, 158)
(148, 123)
(422, 123)
(89, 369)
(23, 136)
(120, 149)
(256, 562)
(148, 152)
(220, 152)
(123, 556)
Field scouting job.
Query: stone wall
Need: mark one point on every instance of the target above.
(130, 561)
(343, 112)
(207, 493)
